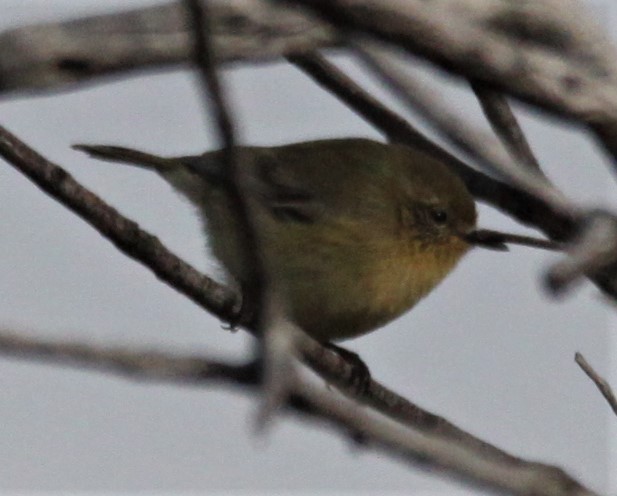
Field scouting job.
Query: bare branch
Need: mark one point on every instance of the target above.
(542, 52)
(548, 53)
(212, 91)
(414, 446)
(260, 297)
(600, 382)
(61, 54)
(142, 364)
(504, 123)
(395, 127)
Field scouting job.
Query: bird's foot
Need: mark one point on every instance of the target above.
(360, 378)
(243, 316)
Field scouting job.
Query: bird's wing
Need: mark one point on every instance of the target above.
(283, 193)
(271, 179)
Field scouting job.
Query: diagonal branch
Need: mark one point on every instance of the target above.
(550, 55)
(260, 296)
(503, 121)
(601, 383)
(411, 445)
(124, 233)
(61, 55)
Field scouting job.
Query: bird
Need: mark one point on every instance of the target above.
(356, 232)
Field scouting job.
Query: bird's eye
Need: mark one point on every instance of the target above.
(439, 216)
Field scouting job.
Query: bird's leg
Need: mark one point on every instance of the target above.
(360, 378)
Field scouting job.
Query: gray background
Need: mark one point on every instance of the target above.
(488, 350)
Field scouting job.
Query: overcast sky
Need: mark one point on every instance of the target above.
(488, 350)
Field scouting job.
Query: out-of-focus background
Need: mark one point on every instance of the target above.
(488, 350)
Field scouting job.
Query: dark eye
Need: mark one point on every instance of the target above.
(439, 216)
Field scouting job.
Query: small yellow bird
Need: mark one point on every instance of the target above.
(357, 231)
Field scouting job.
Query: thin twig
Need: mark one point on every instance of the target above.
(413, 446)
(505, 125)
(260, 296)
(213, 92)
(600, 382)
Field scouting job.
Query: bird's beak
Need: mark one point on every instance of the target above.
(485, 239)
(495, 240)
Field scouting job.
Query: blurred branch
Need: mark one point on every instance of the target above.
(142, 364)
(593, 250)
(600, 382)
(548, 53)
(414, 446)
(60, 54)
(260, 296)
(505, 125)
(213, 92)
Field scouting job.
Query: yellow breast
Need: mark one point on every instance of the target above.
(359, 294)
(409, 273)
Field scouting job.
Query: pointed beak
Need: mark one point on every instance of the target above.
(495, 240)
(485, 239)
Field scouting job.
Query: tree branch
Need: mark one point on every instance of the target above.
(57, 55)
(505, 125)
(602, 385)
(548, 53)
(412, 445)
(260, 296)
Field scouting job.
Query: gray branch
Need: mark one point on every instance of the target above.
(414, 446)
(60, 54)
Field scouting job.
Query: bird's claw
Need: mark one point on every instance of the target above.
(360, 377)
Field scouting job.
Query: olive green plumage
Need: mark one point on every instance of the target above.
(356, 231)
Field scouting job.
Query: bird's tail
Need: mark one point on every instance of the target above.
(128, 156)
